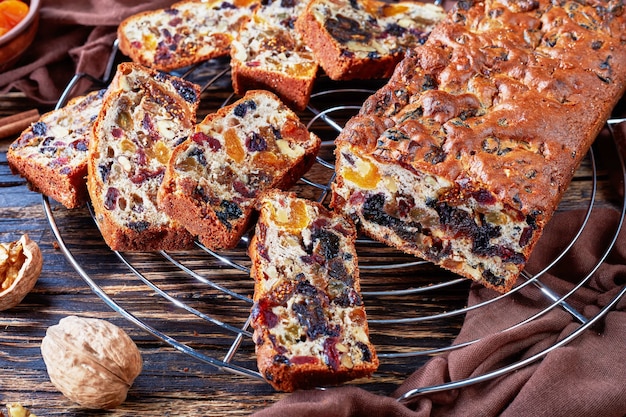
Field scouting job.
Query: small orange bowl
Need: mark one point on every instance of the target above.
(19, 38)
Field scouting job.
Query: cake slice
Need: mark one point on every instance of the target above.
(362, 39)
(463, 157)
(186, 33)
(310, 326)
(214, 178)
(269, 54)
(52, 153)
(144, 116)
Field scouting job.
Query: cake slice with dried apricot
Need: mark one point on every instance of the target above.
(214, 178)
(52, 153)
(269, 54)
(310, 325)
(361, 39)
(145, 114)
(186, 33)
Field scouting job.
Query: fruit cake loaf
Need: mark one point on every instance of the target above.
(464, 155)
(144, 116)
(361, 39)
(214, 177)
(52, 153)
(310, 326)
(183, 34)
(269, 54)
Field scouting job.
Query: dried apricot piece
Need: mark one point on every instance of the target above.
(293, 217)
(234, 149)
(13, 12)
(365, 175)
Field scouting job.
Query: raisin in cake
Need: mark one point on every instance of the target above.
(52, 153)
(464, 155)
(269, 54)
(183, 34)
(213, 178)
(361, 39)
(310, 326)
(144, 116)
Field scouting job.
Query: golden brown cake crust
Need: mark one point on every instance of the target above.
(52, 153)
(500, 117)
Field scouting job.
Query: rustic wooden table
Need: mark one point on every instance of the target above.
(174, 383)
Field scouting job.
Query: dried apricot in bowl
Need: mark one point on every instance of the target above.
(20, 267)
(17, 30)
(11, 13)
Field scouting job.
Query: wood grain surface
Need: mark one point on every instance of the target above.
(172, 382)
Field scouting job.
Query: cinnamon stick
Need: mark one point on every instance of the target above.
(13, 125)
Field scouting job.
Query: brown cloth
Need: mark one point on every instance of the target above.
(74, 36)
(585, 377)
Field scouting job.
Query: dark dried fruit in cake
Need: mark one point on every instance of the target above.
(463, 157)
(310, 326)
(364, 38)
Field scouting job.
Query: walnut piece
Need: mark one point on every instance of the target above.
(91, 361)
(20, 267)
(17, 410)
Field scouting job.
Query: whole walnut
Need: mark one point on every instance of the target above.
(20, 265)
(91, 361)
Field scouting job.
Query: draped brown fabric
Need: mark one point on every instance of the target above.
(73, 36)
(586, 377)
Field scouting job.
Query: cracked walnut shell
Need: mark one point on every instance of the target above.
(91, 361)
(20, 267)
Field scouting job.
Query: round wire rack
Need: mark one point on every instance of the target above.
(212, 290)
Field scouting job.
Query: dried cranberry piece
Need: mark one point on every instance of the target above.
(241, 188)
(202, 138)
(110, 199)
(331, 354)
(526, 236)
(175, 21)
(116, 132)
(262, 314)
(484, 197)
(80, 145)
(303, 360)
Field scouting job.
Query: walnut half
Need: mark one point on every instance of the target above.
(91, 361)
(20, 267)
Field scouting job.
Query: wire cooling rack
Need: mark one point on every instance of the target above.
(220, 309)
